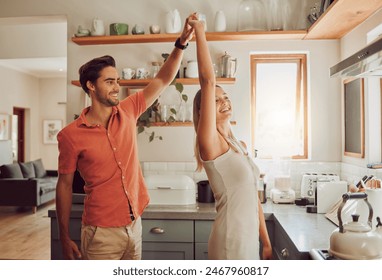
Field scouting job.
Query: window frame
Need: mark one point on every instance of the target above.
(301, 60)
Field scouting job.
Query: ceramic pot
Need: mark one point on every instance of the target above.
(119, 29)
(98, 28)
(220, 22)
(173, 22)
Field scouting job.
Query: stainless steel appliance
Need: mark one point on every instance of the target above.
(366, 62)
(309, 183)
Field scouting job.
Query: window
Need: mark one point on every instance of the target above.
(279, 105)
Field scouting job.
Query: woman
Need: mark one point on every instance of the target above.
(232, 174)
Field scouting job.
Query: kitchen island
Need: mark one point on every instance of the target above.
(181, 232)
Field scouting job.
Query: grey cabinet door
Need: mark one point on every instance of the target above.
(283, 247)
(202, 233)
(167, 251)
(201, 251)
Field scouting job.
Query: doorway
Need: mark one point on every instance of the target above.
(18, 134)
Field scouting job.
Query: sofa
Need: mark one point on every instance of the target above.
(27, 184)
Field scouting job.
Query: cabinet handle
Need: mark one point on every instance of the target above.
(157, 230)
(285, 253)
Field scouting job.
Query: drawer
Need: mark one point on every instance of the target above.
(168, 230)
(167, 251)
(202, 230)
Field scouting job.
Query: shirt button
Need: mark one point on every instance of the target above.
(114, 148)
(119, 162)
(123, 177)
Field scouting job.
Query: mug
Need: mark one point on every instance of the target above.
(119, 29)
(128, 73)
(142, 73)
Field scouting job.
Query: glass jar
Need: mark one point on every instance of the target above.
(251, 16)
(155, 66)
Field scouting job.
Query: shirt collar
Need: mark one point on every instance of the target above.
(81, 120)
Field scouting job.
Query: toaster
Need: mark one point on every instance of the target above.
(309, 183)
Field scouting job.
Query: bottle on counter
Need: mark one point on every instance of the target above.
(261, 189)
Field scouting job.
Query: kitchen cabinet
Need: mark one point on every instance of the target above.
(167, 239)
(339, 18)
(293, 231)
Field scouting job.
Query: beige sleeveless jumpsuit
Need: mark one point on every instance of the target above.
(235, 232)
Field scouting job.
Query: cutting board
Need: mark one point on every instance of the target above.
(328, 194)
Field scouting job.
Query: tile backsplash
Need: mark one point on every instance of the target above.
(347, 172)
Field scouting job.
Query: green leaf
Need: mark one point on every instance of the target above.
(171, 119)
(172, 110)
(165, 56)
(185, 97)
(179, 87)
(140, 129)
(151, 138)
(160, 138)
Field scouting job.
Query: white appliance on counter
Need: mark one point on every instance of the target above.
(282, 192)
(171, 189)
(309, 183)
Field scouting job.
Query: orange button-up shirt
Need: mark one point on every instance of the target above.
(108, 162)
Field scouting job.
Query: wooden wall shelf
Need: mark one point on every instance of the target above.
(341, 17)
(135, 83)
(211, 36)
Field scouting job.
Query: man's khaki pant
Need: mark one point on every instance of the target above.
(113, 243)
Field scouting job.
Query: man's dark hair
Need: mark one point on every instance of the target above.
(90, 70)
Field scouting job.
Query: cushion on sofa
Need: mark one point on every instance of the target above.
(27, 168)
(11, 171)
(39, 168)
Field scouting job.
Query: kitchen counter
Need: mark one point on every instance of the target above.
(305, 230)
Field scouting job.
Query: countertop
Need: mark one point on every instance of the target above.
(306, 230)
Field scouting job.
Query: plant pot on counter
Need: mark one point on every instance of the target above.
(205, 193)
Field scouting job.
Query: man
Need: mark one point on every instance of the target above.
(101, 144)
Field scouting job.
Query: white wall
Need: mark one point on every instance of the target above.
(52, 107)
(21, 90)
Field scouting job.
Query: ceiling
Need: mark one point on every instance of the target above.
(38, 67)
(43, 67)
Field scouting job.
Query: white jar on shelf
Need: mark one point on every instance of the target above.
(220, 22)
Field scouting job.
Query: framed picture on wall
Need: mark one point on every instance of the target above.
(4, 127)
(50, 131)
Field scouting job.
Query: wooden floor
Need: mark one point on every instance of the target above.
(24, 235)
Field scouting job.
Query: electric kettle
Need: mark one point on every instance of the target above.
(228, 66)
